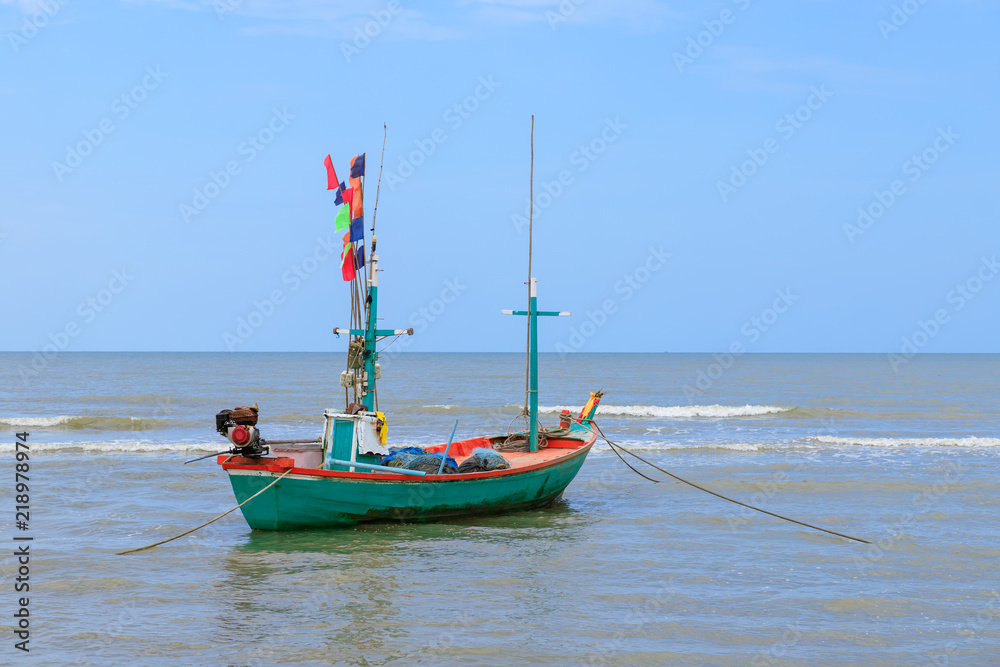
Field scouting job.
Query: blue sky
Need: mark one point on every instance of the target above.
(699, 170)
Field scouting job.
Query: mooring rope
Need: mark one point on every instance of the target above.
(188, 532)
(616, 447)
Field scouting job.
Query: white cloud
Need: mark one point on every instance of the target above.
(641, 14)
(753, 68)
(338, 19)
(27, 6)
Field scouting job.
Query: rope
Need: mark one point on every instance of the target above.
(527, 424)
(518, 442)
(718, 495)
(188, 532)
(397, 337)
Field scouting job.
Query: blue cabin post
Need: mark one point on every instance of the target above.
(371, 354)
(533, 364)
(533, 314)
(371, 335)
(340, 438)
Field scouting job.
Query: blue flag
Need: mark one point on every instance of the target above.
(339, 201)
(357, 229)
(358, 166)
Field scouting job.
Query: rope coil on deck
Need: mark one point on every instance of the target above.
(518, 442)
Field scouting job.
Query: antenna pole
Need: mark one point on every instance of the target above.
(378, 187)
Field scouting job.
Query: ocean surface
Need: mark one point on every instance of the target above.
(620, 571)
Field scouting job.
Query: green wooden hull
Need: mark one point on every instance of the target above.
(309, 500)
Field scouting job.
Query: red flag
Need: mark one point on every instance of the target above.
(349, 199)
(331, 174)
(347, 268)
(347, 260)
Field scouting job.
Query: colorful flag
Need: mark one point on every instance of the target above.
(349, 199)
(357, 229)
(347, 269)
(360, 252)
(343, 219)
(340, 194)
(357, 171)
(358, 166)
(356, 209)
(347, 265)
(331, 174)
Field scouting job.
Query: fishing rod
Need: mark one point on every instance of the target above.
(208, 456)
(263, 445)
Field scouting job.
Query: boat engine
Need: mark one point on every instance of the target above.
(239, 426)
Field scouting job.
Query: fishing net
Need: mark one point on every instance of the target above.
(431, 463)
(417, 458)
(399, 456)
(483, 460)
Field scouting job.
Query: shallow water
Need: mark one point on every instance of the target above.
(620, 571)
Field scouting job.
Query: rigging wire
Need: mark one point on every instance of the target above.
(394, 339)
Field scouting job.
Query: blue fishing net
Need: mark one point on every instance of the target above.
(399, 456)
(408, 457)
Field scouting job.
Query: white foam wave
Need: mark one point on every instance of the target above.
(119, 447)
(90, 422)
(38, 422)
(694, 446)
(971, 441)
(676, 412)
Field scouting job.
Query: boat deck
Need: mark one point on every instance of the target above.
(524, 459)
(459, 450)
(462, 449)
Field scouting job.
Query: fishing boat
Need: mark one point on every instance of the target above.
(350, 475)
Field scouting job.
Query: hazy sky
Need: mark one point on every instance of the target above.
(786, 177)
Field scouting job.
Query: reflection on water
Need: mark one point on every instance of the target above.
(347, 593)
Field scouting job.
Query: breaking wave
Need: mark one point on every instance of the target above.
(692, 447)
(676, 412)
(970, 442)
(120, 447)
(98, 423)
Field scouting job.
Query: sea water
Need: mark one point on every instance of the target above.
(620, 571)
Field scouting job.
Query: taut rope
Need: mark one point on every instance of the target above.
(616, 447)
(188, 532)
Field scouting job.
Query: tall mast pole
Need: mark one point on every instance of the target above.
(532, 312)
(371, 355)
